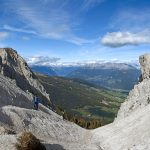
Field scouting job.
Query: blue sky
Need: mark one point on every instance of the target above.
(76, 30)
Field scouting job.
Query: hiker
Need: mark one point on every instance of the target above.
(64, 115)
(36, 102)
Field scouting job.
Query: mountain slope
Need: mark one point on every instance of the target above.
(109, 75)
(131, 132)
(131, 129)
(81, 99)
(11, 94)
(63, 71)
(17, 115)
(14, 67)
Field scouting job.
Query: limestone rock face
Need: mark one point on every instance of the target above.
(131, 128)
(145, 66)
(11, 94)
(140, 96)
(15, 67)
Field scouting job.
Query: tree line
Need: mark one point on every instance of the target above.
(82, 122)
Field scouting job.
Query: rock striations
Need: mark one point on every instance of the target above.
(14, 67)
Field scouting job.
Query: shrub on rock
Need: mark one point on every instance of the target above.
(27, 141)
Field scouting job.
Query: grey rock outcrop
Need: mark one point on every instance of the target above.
(11, 94)
(140, 96)
(15, 67)
(131, 128)
(145, 66)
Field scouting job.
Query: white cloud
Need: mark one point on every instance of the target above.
(48, 19)
(7, 27)
(131, 19)
(87, 4)
(25, 38)
(80, 41)
(4, 35)
(132, 28)
(118, 39)
(42, 60)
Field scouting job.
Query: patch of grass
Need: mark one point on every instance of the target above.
(105, 114)
(27, 141)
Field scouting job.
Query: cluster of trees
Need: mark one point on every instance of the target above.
(82, 122)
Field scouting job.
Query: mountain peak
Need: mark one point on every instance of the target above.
(13, 66)
(111, 65)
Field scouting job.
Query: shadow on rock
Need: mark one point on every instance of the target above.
(54, 147)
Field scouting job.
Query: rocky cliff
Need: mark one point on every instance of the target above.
(14, 67)
(131, 128)
(140, 96)
(145, 66)
(11, 94)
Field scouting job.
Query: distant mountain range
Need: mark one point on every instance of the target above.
(47, 70)
(116, 76)
(63, 71)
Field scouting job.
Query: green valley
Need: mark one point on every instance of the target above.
(83, 100)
